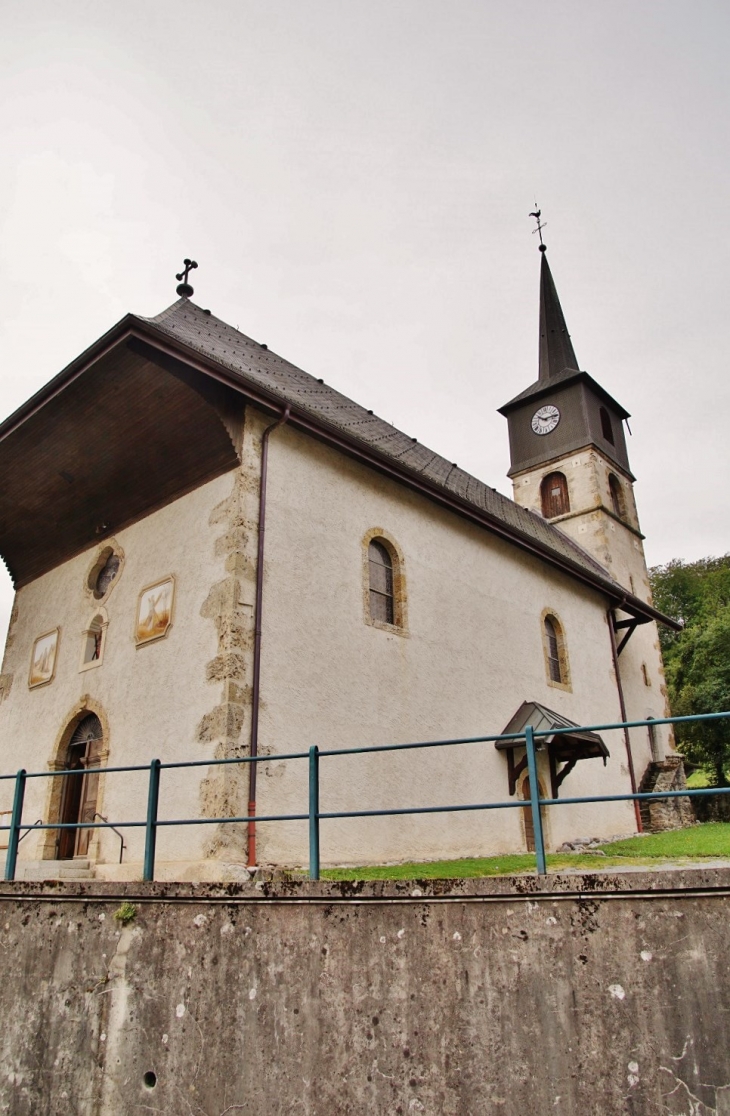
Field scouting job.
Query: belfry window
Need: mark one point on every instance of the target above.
(617, 496)
(556, 653)
(606, 426)
(380, 567)
(554, 495)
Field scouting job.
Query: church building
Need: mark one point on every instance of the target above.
(217, 555)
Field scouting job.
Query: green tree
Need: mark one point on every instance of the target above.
(699, 678)
(692, 592)
(697, 659)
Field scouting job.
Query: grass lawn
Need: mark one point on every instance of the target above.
(681, 846)
(698, 778)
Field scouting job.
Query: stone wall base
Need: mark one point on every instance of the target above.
(672, 813)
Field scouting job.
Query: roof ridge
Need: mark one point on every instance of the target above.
(262, 367)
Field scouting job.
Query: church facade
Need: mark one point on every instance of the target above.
(217, 555)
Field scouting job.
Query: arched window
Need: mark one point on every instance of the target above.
(556, 654)
(606, 427)
(554, 495)
(380, 567)
(617, 496)
(383, 582)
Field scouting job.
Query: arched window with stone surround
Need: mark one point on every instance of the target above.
(556, 651)
(554, 495)
(382, 604)
(384, 582)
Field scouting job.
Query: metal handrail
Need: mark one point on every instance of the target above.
(18, 829)
(33, 826)
(122, 846)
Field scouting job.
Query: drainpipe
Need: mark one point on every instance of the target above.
(254, 751)
(622, 707)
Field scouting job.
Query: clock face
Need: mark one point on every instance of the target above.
(545, 419)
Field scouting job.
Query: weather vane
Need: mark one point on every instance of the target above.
(185, 290)
(538, 230)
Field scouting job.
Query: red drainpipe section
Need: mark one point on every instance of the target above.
(252, 767)
(622, 706)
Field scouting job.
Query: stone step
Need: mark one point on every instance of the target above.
(80, 869)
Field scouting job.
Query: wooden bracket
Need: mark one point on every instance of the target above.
(514, 770)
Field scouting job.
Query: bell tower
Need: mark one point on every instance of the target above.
(568, 453)
(569, 463)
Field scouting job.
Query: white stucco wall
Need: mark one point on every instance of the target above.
(473, 652)
(153, 696)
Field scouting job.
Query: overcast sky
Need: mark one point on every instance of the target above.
(354, 178)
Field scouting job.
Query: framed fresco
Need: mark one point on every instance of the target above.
(43, 659)
(154, 611)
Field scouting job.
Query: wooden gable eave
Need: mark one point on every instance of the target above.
(105, 443)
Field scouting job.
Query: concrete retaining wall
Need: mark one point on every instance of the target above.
(594, 994)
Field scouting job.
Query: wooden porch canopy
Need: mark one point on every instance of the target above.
(566, 748)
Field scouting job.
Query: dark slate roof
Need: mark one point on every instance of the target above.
(558, 365)
(257, 366)
(546, 384)
(561, 379)
(556, 348)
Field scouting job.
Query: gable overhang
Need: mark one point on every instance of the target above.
(102, 445)
(147, 343)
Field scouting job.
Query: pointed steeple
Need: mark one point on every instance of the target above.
(556, 348)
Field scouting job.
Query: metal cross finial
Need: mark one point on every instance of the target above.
(540, 227)
(185, 290)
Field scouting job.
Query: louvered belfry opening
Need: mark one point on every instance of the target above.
(382, 603)
(617, 496)
(606, 426)
(554, 495)
(80, 792)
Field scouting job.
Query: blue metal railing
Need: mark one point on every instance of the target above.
(18, 829)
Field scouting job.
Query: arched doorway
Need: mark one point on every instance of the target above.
(80, 792)
(527, 815)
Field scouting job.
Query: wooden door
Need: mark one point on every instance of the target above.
(527, 814)
(554, 495)
(80, 792)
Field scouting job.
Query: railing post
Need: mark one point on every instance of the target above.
(150, 842)
(11, 856)
(314, 812)
(535, 801)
